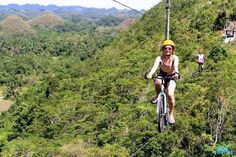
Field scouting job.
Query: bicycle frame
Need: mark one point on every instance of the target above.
(162, 107)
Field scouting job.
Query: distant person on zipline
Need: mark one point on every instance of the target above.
(200, 60)
(168, 67)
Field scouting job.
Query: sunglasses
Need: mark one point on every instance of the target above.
(168, 48)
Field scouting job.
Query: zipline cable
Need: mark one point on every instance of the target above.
(135, 153)
(128, 7)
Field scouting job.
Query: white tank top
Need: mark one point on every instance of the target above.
(200, 58)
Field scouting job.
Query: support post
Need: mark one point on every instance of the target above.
(167, 32)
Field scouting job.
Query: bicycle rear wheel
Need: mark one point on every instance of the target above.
(161, 114)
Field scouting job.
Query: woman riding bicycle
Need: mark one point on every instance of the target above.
(168, 67)
(200, 60)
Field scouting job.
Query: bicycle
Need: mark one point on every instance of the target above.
(162, 106)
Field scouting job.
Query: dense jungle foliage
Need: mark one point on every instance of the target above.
(84, 94)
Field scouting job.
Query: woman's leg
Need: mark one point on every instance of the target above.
(171, 98)
(157, 85)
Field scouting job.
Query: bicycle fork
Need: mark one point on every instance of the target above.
(162, 94)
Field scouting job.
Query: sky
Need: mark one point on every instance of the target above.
(135, 4)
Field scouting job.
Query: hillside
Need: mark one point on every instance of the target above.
(46, 19)
(14, 24)
(126, 23)
(100, 106)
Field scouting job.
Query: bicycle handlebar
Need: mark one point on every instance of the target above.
(145, 75)
(165, 77)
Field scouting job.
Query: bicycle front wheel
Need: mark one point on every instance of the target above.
(161, 113)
